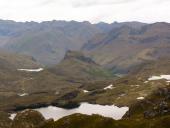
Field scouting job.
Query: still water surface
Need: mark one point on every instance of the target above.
(85, 108)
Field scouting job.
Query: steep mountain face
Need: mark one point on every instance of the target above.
(125, 47)
(152, 68)
(46, 41)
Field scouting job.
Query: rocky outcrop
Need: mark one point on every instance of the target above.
(28, 119)
(158, 104)
(161, 109)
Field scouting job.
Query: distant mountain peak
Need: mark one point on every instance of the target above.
(160, 25)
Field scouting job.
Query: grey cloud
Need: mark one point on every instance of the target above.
(161, 1)
(78, 3)
(84, 3)
(46, 2)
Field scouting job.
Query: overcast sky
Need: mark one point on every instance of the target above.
(86, 10)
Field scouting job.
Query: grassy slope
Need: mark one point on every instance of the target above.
(11, 60)
(51, 84)
(157, 92)
(124, 93)
(127, 89)
(96, 121)
(76, 66)
(157, 105)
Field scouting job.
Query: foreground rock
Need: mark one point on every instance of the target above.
(156, 105)
(28, 119)
(5, 122)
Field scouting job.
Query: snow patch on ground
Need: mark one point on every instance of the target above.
(31, 70)
(23, 94)
(122, 95)
(12, 116)
(140, 98)
(85, 91)
(135, 85)
(166, 77)
(109, 87)
(146, 82)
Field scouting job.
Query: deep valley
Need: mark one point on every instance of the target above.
(75, 69)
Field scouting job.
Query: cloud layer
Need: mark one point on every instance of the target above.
(89, 10)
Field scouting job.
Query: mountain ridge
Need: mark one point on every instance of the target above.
(48, 41)
(124, 47)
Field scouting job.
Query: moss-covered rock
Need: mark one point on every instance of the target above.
(28, 119)
(84, 121)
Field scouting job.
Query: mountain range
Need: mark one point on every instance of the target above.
(48, 41)
(125, 47)
(102, 51)
(116, 46)
(63, 64)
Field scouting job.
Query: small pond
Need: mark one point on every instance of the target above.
(85, 108)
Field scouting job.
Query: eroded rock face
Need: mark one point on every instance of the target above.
(28, 119)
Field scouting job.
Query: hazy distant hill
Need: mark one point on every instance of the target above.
(108, 27)
(117, 46)
(125, 47)
(48, 41)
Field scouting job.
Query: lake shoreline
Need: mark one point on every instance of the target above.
(85, 108)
